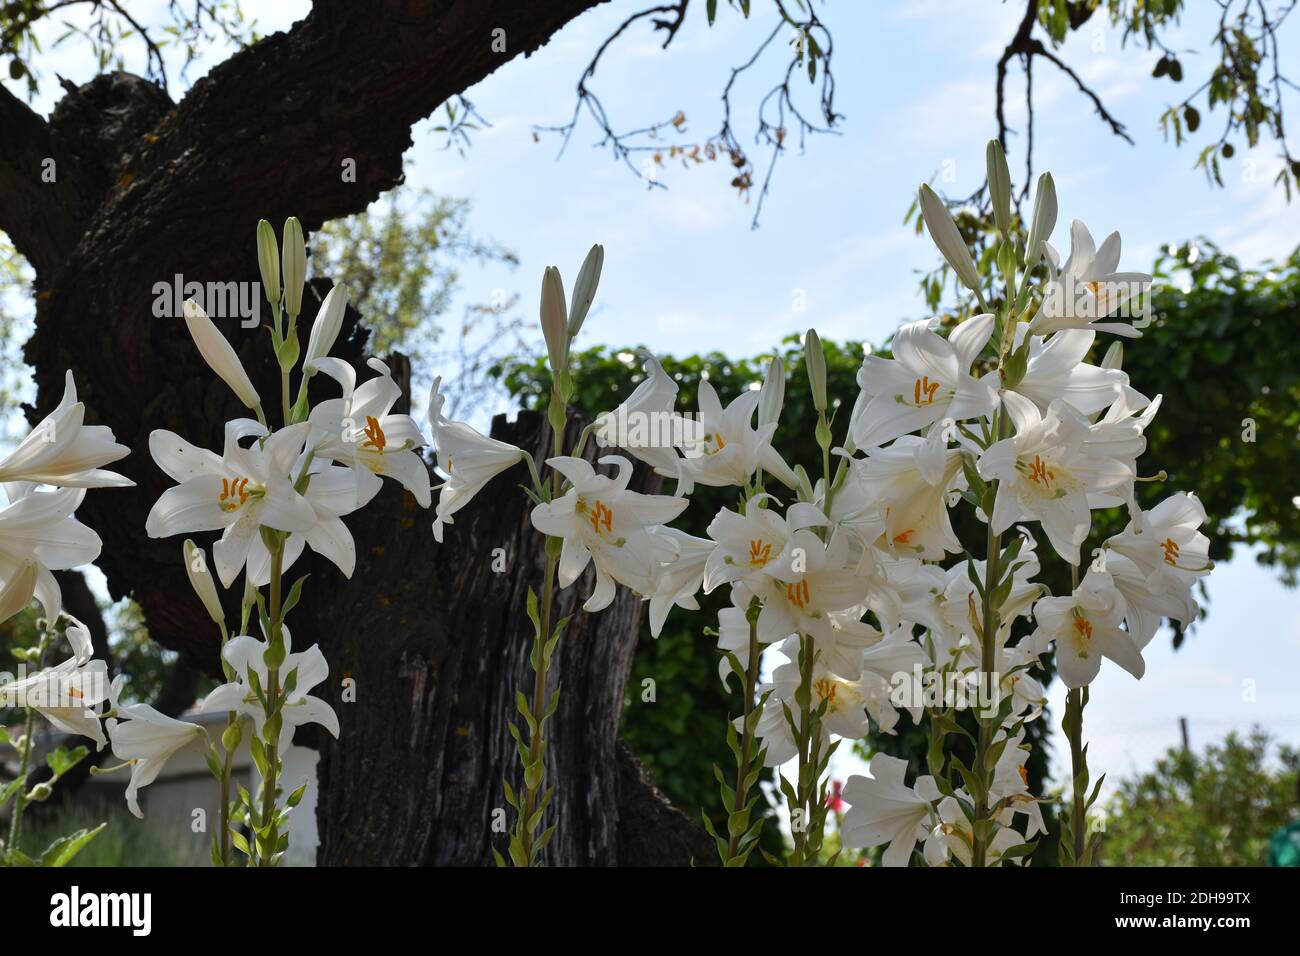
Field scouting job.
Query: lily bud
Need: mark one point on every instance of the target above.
(943, 230)
(196, 567)
(1114, 356)
(268, 261)
(294, 260)
(555, 327)
(815, 361)
(585, 289)
(999, 185)
(219, 354)
(18, 591)
(325, 330)
(771, 397)
(1044, 219)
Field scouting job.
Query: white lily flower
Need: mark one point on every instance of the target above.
(1026, 692)
(883, 809)
(332, 493)
(679, 580)
(894, 656)
(16, 592)
(600, 520)
(68, 693)
(926, 381)
(1056, 370)
(855, 508)
(244, 654)
(909, 483)
(733, 631)
(1011, 783)
(238, 493)
(1088, 288)
(917, 588)
(850, 637)
(469, 459)
(729, 449)
(1149, 599)
(953, 836)
(219, 354)
(809, 581)
(63, 451)
(749, 545)
(361, 431)
(1157, 560)
(147, 739)
(1167, 540)
(1049, 472)
(845, 716)
(1086, 627)
(645, 425)
(38, 527)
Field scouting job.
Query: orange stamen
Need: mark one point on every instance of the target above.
(602, 516)
(374, 435)
(923, 391)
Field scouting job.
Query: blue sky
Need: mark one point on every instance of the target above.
(684, 272)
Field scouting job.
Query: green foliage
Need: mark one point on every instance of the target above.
(1223, 350)
(1219, 808)
(124, 841)
(1247, 79)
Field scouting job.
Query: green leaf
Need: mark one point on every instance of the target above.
(60, 760)
(295, 592)
(62, 850)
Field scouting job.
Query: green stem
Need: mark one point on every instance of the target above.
(541, 668)
(988, 650)
(537, 741)
(24, 766)
(808, 745)
(1078, 765)
(227, 766)
(747, 738)
(272, 725)
(20, 799)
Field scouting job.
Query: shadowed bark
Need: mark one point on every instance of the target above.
(145, 190)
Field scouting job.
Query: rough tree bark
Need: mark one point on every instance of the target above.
(146, 189)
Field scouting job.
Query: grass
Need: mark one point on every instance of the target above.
(126, 841)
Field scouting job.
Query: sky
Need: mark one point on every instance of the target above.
(685, 272)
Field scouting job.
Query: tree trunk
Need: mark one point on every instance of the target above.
(146, 190)
(437, 641)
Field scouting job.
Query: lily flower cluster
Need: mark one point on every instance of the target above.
(271, 493)
(856, 580)
(45, 479)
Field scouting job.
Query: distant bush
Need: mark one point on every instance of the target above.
(1218, 808)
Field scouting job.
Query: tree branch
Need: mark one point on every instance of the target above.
(38, 216)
